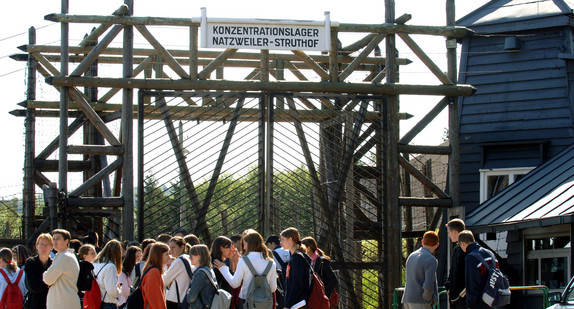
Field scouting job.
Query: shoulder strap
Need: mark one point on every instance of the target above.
(279, 259)
(482, 260)
(96, 275)
(187, 267)
(267, 269)
(141, 279)
(303, 257)
(249, 265)
(19, 277)
(138, 270)
(203, 270)
(5, 276)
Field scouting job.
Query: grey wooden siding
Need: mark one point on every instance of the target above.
(521, 96)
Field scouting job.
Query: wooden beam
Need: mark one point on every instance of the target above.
(94, 118)
(140, 68)
(52, 146)
(115, 202)
(40, 179)
(339, 87)
(314, 65)
(425, 59)
(97, 178)
(427, 183)
(216, 63)
(425, 202)
(359, 43)
(164, 53)
(364, 53)
(52, 165)
(436, 150)
(94, 35)
(390, 28)
(414, 131)
(94, 150)
(95, 52)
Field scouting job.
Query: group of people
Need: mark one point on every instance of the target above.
(467, 275)
(169, 270)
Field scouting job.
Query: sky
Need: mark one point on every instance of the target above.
(18, 19)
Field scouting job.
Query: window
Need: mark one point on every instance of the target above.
(547, 258)
(493, 181)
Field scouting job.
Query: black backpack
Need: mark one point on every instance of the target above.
(85, 277)
(497, 288)
(135, 300)
(184, 304)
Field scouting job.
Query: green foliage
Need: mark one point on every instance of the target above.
(10, 219)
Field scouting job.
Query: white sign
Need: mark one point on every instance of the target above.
(265, 34)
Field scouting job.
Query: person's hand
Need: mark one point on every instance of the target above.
(235, 255)
(218, 264)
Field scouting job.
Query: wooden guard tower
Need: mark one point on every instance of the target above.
(336, 101)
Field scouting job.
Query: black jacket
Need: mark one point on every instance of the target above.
(455, 283)
(323, 269)
(297, 279)
(476, 276)
(221, 282)
(38, 290)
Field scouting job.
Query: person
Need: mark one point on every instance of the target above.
(201, 290)
(281, 258)
(146, 246)
(181, 232)
(125, 278)
(86, 256)
(10, 270)
(476, 274)
(62, 275)
(165, 238)
(191, 239)
(455, 281)
(297, 275)
(222, 250)
(176, 278)
(20, 254)
(107, 268)
(35, 268)
(321, 265)
(92, 238)
(421, 288)
(236, 242)
(255, 250)
(75, 245)
(152, 287)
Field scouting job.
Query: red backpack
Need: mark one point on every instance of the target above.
(93, 297)
(12, 297)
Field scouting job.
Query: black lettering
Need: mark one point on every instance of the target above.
(315, 32)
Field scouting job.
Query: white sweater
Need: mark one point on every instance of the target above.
(12, 277)
(243, 274)
(62, 277)
(108, 282)
(177, 273)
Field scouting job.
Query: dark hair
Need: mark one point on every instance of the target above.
(203, 253)
(84, 250)
(180, 242)
(91, 238)
(75, 244)
(220, 241)
(146, 242)
(130, 260)
(165, 238)
(456, 225)
(133, 243)
(112, 252)
(22, 254)
(255, 243)
(155, 257)
(466, 237)
(311, 244)
(180, 230)
(65, 234)
(6, 256)
(293, 233)
(430, 238)
(191, 239)
(235, 238)
(273, 239)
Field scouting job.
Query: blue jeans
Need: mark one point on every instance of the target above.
(108, 306)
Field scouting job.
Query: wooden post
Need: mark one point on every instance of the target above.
(29, 196)
(63, 142)
(408, 211)
(393, 239)
(127, 133)
(268, 101)
(453, 121)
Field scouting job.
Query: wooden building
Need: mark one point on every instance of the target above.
(521, 117)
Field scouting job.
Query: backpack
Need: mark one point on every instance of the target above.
(222, 298)
(12, 297)
(85, 277)
(258, 292)
(317, 298)
(135, 300)
(497, 288)
(184, 304)
(93, 296)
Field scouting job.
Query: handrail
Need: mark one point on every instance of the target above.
(545, 291)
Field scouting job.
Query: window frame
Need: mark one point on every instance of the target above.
(510, 172)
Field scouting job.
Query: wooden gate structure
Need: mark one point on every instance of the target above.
(346, 135)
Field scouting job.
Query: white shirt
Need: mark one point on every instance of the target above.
(12, 277)
(177, 273)
(108, 282)
(285, 256)
(243, 274)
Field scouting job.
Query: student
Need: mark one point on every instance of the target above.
(476, 274)
(321, 265)
(20, 254)
(297, 275)
(128, 266)
(257, 254)
(86, 256)
(35, 268)
(455, 282)
(421, 288)
(152, 287)
(9, 269)
(62, 275)
(146, 246)
(191, 240)
(176, 278)
(222, 249)
(281, 258)
(107, 267)
(201, 291)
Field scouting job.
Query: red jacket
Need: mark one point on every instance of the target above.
(153, 290)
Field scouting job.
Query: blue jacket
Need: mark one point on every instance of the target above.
(421, 285)
(201, 290)
(297, 279)
(476, 275)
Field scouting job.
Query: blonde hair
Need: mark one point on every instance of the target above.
(203, 252)
(45, 236)
(255, 243)
(85, 250)
(112, 252)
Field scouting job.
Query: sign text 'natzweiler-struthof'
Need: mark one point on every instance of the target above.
(265, 34)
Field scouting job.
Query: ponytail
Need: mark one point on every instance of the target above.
(6, 256)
